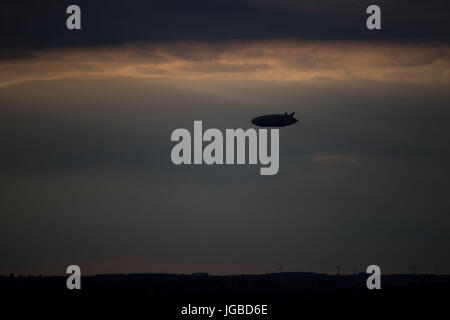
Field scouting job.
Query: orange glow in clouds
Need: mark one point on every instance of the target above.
(276, 60)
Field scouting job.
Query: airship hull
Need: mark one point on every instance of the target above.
(274, 120)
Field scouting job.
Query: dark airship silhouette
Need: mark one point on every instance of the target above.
(275, 120)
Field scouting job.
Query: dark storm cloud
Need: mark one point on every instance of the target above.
(31, 25)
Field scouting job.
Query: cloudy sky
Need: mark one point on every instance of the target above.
(86, 116)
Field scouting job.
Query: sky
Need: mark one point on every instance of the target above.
(86, 116)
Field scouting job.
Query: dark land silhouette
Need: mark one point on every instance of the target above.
(287, 294)
(273, 286)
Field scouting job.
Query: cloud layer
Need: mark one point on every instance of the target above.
(271, 60)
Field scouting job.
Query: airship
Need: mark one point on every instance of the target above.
(275, 120)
